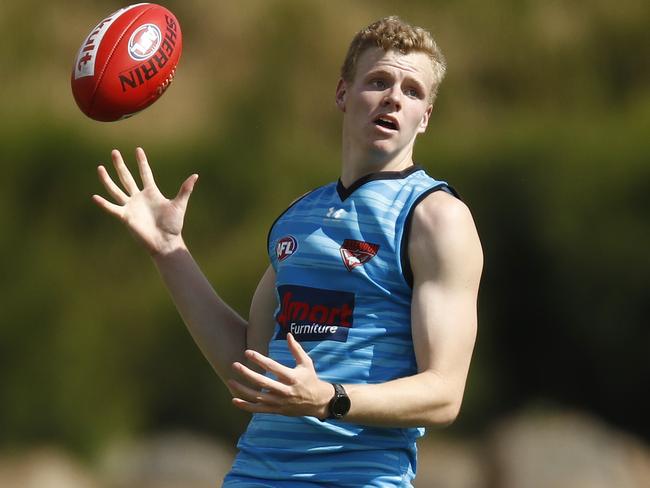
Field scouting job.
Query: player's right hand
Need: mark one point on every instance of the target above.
(153, 219)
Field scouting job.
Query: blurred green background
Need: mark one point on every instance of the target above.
(542, 125)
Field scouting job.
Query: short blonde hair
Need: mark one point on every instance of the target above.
(392, 33)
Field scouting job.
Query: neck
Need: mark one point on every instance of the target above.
(356, 164)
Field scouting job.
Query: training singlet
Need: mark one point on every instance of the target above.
(343, 282)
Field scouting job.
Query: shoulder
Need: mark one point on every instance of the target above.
(440, 210)
(304, 198)
(443, 235)
(317, 192)
(302, 203)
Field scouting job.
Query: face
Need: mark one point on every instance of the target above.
(387, 104)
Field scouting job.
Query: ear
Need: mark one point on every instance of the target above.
(341, 91)
(425, 120)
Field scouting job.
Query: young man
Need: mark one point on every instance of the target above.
(361, 331)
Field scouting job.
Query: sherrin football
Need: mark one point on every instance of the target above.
(127, 62)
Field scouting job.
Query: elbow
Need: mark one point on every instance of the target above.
(442, 419)
(443, 415)
(443, 402)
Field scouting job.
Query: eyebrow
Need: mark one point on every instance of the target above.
(378, 71)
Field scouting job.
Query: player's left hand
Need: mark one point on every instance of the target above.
(296, 392)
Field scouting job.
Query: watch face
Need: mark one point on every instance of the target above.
(340, 406)
(340, 403)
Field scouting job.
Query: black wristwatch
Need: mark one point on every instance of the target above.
(339, 404)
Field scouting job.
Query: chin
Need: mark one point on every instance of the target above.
(381, 153)
(387, 146)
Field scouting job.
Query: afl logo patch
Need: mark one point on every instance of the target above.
(286, 247)
(144, 42)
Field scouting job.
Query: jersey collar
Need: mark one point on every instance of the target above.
(344, 192)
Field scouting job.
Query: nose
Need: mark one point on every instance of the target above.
(393, 97)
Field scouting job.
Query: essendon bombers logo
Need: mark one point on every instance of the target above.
(356, 253)
(286, 247)
(313, 314)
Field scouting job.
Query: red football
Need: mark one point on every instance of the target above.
(127, 62)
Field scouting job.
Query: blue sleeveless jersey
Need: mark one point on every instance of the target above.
(344, 292)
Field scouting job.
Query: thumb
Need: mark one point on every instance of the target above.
(297, 351)
(185, 191)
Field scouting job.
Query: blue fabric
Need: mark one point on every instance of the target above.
(342, 293)
(234, 481)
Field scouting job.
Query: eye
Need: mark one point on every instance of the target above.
(379, 84)
(413, 93)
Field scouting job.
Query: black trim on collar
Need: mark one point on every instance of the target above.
(381, 175)
(407, 271)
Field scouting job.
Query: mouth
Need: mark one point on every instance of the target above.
(387, 122)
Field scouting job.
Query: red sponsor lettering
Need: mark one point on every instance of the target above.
(298, 311)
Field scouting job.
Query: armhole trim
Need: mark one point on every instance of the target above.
(268, 235)
(405, 260)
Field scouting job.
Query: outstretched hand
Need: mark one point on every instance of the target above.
(155, 221)
(296, 392)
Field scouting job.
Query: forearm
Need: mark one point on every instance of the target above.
(424, 399)
(219, 331)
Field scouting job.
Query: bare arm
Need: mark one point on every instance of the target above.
(157, 222)
(219, 332)
(446, 258)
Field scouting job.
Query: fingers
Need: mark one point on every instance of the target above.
(114, 190)
(131, 186)
(294, 392)
(109, 207)
(260, 380)
(123, 173)
(251, 395)
(144, 168)
(284, 374)
(254, 401)
(185, 191)
(253, 407)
